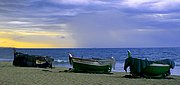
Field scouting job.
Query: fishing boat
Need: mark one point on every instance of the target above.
(145, 68)
(92, 65)
(154, 69)
(26, 60)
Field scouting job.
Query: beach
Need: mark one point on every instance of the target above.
(11, 75)
(61, 59)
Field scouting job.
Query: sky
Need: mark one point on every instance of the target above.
(89, 23)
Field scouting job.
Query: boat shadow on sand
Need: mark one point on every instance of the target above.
(138, 77)
(113, 75)
(71, 70)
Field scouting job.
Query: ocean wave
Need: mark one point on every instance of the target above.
(177, 64)
(61, 61)
(5, 60)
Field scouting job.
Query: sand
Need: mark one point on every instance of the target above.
(10, 75)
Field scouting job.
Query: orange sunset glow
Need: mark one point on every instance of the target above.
(35, 39)
(17, 44)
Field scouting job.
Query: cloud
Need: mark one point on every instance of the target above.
(17, 22)
(47, 38)
(150, 30)
(151, 5)
(97, 30)
(91, 23)
(157, 20)
(80, 2)
(166, 5)
(119, 29)
(72, 1)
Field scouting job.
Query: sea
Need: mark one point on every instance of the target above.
(60, 55)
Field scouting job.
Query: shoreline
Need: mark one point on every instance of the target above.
(11, 75)
(174, 71)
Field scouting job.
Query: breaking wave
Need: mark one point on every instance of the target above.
(59, 61)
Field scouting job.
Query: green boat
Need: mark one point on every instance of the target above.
(161, 70)
(92, 65)
(145, 68)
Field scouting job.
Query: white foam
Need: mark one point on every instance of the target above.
(175, 71)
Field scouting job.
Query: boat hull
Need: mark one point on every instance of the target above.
(92, 65)
(156, 70)
(81, 67)
(26, 60)
(149, 69)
